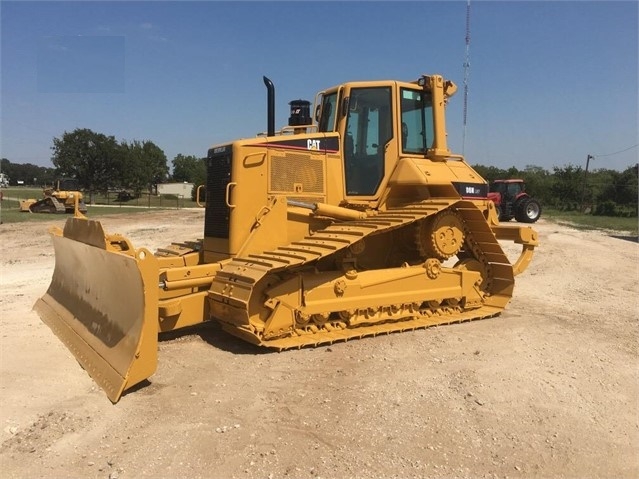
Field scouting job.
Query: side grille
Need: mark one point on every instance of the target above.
(218, 175)
(296, 173)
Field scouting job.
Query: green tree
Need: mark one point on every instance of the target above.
(600, 182)
(190, 169)
(513, 172)
(616, 189)
(5, 167)
(568, 187)
(491, 173)
(629, 187)
(27, 172)
(623, 189)
(94, 159)
(144, 165)
(538, 182)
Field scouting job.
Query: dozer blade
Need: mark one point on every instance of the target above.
(102, 303)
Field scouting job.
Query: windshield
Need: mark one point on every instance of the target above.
(417, 121)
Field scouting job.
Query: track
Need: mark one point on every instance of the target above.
(235, 290)
(48, 205)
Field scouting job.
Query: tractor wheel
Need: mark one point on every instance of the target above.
(528, 211)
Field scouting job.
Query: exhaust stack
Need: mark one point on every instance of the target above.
(270, 106)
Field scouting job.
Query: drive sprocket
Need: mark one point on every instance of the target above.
(440, 236)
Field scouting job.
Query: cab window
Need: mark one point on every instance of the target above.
(514, 189)
(329, 107)
(417, 121)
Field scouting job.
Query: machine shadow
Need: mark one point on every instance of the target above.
(631, 238)
(213, 334)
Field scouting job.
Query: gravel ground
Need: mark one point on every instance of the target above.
(548, 389)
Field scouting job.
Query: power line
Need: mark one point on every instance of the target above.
(617, 152)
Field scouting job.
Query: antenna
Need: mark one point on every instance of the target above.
(466, 73)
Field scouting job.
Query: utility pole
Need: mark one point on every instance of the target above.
(466, 73)
(583, 189)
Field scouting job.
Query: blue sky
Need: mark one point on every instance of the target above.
(550, 82)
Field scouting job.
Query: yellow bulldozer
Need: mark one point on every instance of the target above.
(63, 197)
(354, 221)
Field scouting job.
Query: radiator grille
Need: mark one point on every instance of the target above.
(218, 175)
(297, 173)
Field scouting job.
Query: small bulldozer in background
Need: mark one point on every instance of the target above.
(63, 197)
(353, 222)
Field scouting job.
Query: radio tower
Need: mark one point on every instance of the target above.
(466, 72)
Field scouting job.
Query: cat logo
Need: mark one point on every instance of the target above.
(312, 144)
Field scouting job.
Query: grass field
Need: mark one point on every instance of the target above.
(585, 221)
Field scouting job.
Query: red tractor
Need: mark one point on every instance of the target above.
(512, 201)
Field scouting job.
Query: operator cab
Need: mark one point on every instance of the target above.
(508, 189)
(380, 122)
(68, 184)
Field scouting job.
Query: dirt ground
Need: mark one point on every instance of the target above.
(548, 389)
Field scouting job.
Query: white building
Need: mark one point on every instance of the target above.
(181, 190)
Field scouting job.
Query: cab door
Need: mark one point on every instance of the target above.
(368, 128)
